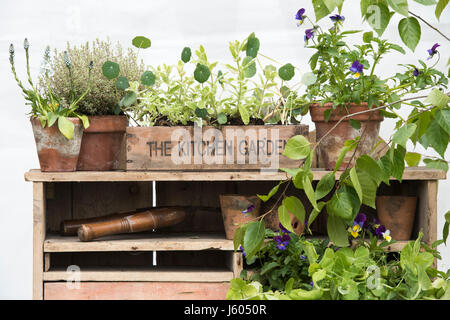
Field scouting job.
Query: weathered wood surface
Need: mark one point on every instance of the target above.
(141, 242)
(231, 147)
(39, 232)
(165, 274)
(138, 291)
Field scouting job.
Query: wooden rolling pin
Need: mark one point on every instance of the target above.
(70, 227)
(135, 222)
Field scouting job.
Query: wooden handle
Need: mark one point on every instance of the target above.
(137, 222)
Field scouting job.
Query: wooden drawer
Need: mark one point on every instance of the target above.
(137, 291)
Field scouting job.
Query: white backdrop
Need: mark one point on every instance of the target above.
(171, 25)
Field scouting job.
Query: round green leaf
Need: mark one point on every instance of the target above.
(253, 237)
(409, 30)
(141, 42)
(201, 112)
(252, 46)
(201, 73)
(110, 70)
(286, 72)
(297, 148)
(148, 78)
(309, 78)
(222, 118)
(249, 67)
(128, 99)
(186, 54)
(122, 83)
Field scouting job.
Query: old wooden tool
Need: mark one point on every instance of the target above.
(135, 222)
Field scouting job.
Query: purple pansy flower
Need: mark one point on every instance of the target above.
(360, 219)
(242, 249)
(283, 229)
(302, 257)
(379, 230)
(282, 245)
(285, 237)
(300, 16)
(311, 284)
(356, 68)
(433, 50)
(249, 209)
(337, 18)
(416, 72)
(309, 33)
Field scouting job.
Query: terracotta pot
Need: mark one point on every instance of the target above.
(330, 146)
(232, 206)
(102, 143)
(56, 152)
(397, 213)
(273, 222)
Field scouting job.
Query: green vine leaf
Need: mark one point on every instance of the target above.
(295, 206)
(410, 32)
(437, 98)
(297, 148)
(402, 135)
(440, 7)
(337, 231)
(412, 159)
(284, 217)
(355, 181)
(325, 185)
(377, 15)
(320, 9)
(253, 238)
(401, 6)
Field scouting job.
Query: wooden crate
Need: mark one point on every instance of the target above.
(208, 148)
(193, 260)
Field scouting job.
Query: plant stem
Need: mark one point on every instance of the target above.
(428, 24)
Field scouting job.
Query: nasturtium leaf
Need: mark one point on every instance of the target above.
(110, 70)
(440, 7)
(443, 119)
(284, 217)
(309, 78)
(253, 238)
(402, 135)
(201, 112)
(325, 185)
(222, 118)
(201, 73)
(286, 72)
(437, 98)
(249, 67)
(66, 127)
(270, 72)
(295, 206)
(186, 54)
(141, 42)
(400, 6)
(297, 147)
(128, 99)
(409, 30)
(355, 124)
(412, 159)
(337, 231)
(148, 78)
(252, 46)
(122, 83)
(436, 164)
(356, 185)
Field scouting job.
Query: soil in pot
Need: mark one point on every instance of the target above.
(397, 213)
(103, 144)
(233, 207)
(332, 143)
(56, 152)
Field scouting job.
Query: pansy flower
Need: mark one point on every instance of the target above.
(337, 18)
(248, 210)
(283, 229)
(379, 230)
(433, 50)
(242, 250)
(387, 235)
(354, 231)
(302, 257)
(300, 16)
(416, 72)
(360, 219)
(309, 33)
(282, 245)
(357, 69)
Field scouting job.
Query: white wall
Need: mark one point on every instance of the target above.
(171, 25)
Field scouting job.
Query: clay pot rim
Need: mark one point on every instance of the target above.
(316, 112)
(107, 123)
(71, 119)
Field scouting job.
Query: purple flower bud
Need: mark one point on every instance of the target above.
(433, 50)
(337, 18)
(302, 257)
(242, 249)
(416, 72)
(300, 13)
(249, 209)
(309, 33)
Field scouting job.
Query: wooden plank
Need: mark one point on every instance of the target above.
(140, 242)
(47, 262)
(157, 274)
(138, 291)
(58, 205)
(235, 263)
(38, 238)
(411, 173)
(231, 147)
(427, 211)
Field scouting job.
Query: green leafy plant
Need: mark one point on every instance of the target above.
(211, 96)
(47, 106)
(103, 96)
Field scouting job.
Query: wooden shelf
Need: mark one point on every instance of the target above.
(140, 242)
(158, 274)
(411, 173)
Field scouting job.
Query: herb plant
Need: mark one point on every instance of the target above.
(48, 106)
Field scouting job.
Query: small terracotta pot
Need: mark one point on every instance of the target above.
(331, 145)
(232, 206)
(56, 152)
(273, 222)
(102, 143)
(397, 213)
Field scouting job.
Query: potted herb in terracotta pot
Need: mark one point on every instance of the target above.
(57, 128)
(103, 141)
(207, 118)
